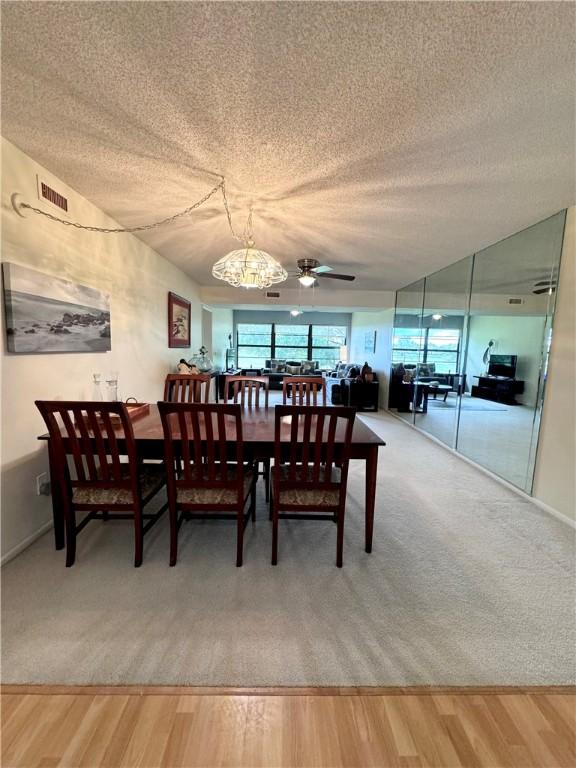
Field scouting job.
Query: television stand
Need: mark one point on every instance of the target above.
(498, 388)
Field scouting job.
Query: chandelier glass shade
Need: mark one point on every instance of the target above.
(249, 267)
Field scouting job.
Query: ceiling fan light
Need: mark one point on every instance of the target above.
(249, 267)
(295, 312)
(307, 280)
(437, 317)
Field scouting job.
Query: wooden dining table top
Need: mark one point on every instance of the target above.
(258, 426)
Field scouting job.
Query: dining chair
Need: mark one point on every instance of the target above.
(187, 388)
(87, 442)
(303, 390)
(310, 472)
(208, 475)
(246, 390)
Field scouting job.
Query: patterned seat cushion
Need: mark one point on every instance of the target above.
(310, 497)
(152, 477)
(198, 495)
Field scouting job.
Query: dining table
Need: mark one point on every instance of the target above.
(258, 429)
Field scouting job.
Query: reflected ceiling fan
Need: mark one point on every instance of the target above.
(545, 286)
(309, 270)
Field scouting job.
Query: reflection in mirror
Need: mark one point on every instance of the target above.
(407, 349)
(439, 376)
(511, 305)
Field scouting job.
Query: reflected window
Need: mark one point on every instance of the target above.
(438, 346)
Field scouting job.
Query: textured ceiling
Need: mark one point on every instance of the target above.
(388, 139)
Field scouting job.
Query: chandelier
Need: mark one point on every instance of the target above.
(249, 267)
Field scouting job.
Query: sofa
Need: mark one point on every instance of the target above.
(337, 380)
(277, 369)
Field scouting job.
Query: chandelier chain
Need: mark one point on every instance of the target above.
(116, 230)
(243, 238)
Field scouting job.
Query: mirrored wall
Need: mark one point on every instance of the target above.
(470, 348)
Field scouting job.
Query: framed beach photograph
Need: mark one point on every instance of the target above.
(178, 321)
(47, 314)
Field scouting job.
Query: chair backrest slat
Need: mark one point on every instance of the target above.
(100, 449)
(304, 390)
(113, 449)
(76, 450)
(184, 444)
(320, 437)
(210, 443)
(222, 445)
(187, 388)
(247, 390)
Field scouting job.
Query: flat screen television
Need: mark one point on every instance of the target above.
(502, 365)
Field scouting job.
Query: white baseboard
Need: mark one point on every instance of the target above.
(518, 491)
(25, 543)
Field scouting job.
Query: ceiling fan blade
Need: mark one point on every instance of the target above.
(544, 282)
(322, 269)
(551, 289)
(335, 276)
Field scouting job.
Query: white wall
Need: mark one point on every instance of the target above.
(522, 336)
(379, 361)
(554, 479)
(138, 280)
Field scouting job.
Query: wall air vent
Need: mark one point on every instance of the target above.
(515, 301)
(272, 294)
(45, 192)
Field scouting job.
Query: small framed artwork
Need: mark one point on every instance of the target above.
(370, 342)
(178, 321)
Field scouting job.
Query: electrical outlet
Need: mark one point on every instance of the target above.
(42, 485)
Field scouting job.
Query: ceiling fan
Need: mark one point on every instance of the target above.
(545, 286)
(311, 269)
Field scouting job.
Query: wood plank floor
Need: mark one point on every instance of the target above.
(125, 727)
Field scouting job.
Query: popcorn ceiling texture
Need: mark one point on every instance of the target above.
(389, 139)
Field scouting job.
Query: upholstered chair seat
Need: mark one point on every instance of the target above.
(151, 478)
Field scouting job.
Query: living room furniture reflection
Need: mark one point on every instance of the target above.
(416, 394)
(423, 375)
(498, 389)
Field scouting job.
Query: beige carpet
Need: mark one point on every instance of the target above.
(467, 584)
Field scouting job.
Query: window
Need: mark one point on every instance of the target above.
(291, 342)
(408, 345)
(326, 343)
(427, 345)
(254, 344)
(442, 349)
(257, 343)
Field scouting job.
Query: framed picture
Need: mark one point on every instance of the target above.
(370, 342)
(47, 314)
(178, 321)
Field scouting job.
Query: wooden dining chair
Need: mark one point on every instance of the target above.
(96, 436)
(187, 388)
(310, 472)
(246, 390)
(209, 477)
(303, 390)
